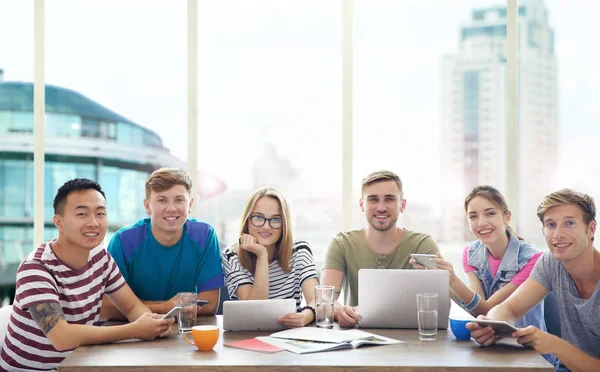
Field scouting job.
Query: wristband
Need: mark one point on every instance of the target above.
(313, 312)
(473, 304)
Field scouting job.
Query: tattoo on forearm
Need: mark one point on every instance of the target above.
(47, 315)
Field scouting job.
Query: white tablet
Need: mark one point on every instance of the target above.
(501, 328)
(254, 315)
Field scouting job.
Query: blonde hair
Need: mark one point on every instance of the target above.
(495, 197)
(285, 243)
(380, 176)
(164, 178)
(569, 196)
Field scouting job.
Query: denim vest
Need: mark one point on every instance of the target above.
(517, 254)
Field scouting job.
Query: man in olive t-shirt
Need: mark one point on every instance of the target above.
(380, 245)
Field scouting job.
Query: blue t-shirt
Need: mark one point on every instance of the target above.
(157, 273)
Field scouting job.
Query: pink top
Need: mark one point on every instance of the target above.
(494, 264)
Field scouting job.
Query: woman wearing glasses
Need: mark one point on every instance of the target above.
(266, 263)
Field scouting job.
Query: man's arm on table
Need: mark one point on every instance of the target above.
(516, 306)
(212, 296)
(528, 295)
(346, 316)
(65, 336)
(110, 312)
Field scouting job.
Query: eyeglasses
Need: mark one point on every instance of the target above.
(259, 221)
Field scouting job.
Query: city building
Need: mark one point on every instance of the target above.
(83, 139)
(474, 120)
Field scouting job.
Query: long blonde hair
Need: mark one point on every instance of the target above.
(285, 243)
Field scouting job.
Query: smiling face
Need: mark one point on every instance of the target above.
(265, 235)
(566, 232)
(168, 210)
(382, 203)
(83, 221)
(487, 222)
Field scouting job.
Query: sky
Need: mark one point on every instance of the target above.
(270, 71)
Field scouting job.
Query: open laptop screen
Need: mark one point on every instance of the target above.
(387, 298)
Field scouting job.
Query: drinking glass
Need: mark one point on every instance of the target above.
(427, 311)
(187, 316)
(325, 300)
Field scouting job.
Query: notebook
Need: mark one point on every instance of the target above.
(388, 298)
(255, 315)
(254, 344)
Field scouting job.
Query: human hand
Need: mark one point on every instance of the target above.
(485, 336)
(416, 265)
(150, 326)
(444, 265)
(294, 320)
(348, 316)
(540, 341)
(169, 304)
(248, 243)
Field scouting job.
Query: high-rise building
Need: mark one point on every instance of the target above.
(82, 139)
(474, 116)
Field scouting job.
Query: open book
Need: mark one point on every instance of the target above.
(312, 340)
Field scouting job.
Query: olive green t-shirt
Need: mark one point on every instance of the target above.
(349, 252)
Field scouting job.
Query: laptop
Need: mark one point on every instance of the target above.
(388, 298)
(255, 315)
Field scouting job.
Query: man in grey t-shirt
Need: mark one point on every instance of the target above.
(571, 270)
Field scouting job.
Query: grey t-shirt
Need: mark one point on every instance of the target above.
(579, 318)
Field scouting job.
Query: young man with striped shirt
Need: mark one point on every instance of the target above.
(60, 286)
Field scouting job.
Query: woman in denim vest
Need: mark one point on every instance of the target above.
(497, 263)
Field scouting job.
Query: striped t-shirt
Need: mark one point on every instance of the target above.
(281, 284)
(43, 278)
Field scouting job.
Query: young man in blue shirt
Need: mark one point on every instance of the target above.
(168, 252)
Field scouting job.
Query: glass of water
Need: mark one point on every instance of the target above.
(325, 300)
(187, 316)
(427, 311)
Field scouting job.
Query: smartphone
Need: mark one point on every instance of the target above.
(201, 302)
(174, 311)
(423, 259)
(501, 328)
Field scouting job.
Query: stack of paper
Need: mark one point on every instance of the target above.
(312, 340)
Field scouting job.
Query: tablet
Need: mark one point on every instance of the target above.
(255, 315)
(501, 328)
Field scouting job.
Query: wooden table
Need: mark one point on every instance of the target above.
(173, 353)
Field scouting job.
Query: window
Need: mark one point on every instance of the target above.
(270, 111)
(118, 83)
(418, 105)
(575, 104)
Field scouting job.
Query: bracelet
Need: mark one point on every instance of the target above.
(473, 300)
(473, 304)
(311, 309)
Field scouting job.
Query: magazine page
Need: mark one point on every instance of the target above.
(375, 340)
(304, 346)
(322, 334)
